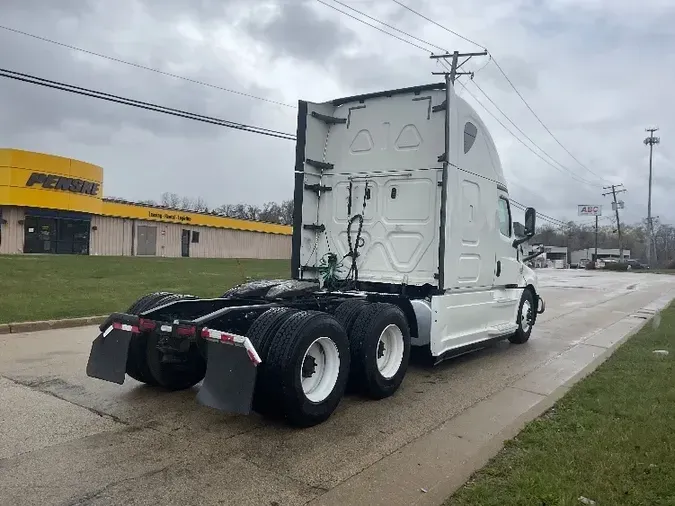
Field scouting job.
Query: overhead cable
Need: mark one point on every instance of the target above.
(27, 78)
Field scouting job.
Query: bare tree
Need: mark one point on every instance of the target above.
(171, 200)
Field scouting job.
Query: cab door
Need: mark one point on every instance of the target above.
(507, 267)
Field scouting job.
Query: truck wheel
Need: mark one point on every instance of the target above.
(261, 334)
(137, 360)
(524, 318)
(307, 368)
(137, 366)
(175, 376)
(347, 313)
(380, 350)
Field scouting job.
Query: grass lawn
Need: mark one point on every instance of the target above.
(611, 439)
(60, 286)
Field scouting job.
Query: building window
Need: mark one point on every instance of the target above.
(195, 237)
(470, 132)
(504, 213)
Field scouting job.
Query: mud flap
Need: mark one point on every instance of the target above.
(230, 379)
(108, 356)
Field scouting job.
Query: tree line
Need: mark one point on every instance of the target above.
(270, 212)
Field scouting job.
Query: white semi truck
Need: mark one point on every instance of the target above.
(403, 236)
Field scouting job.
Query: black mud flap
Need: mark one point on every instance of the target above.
(230, 379)
(108, 357)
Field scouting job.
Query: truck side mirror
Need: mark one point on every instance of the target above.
(524, 233)
(530, 221)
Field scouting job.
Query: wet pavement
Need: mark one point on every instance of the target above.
(67, 439)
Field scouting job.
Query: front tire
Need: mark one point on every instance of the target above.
(524, 318)
(380, 350)
(307, 369)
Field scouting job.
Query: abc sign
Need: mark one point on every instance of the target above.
(590, 210)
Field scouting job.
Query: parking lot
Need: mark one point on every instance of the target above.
(70, 439)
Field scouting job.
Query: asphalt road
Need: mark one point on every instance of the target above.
(66, 439)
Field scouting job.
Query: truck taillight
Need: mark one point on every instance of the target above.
(186, 331)
(144, 324)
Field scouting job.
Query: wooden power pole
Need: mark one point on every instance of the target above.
(616, 207)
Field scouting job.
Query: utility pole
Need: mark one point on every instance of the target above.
(616, 209)
(650, 141)
(452, 74)
(595, 260)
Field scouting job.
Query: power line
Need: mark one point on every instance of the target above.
(438, 24)
(520, 130)
(544, 217)
(27, 78)
(389, 26)
(374, 26)
(541, 122)
(150, 69)
(501, 70)
(571, 174)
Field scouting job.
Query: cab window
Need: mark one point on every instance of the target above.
(504, 214)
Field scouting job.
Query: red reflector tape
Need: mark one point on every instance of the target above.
(226, 337)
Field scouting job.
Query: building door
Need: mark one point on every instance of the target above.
(147, 240)
(40, 235)
(185, 243)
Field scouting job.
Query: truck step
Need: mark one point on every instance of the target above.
(319, 165)
(502, 329)
(317, 188)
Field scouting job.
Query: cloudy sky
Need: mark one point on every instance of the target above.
(597, 72)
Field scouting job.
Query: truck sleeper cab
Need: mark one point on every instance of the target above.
(403, 236)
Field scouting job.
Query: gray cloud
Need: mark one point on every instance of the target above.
(297, 31)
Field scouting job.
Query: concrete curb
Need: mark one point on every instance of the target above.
(19, 327)
(429, 469)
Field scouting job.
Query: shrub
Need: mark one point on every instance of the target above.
(590, 266)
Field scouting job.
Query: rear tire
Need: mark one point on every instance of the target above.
(524, 319)
(261, 334)
(307, 369)
(175, 376)
(380, 350)
(137, 364)
(137, 360)
(347, 313)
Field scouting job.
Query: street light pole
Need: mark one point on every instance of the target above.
(650, 141)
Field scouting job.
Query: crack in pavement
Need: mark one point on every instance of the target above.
(89, 497)
(35, 385)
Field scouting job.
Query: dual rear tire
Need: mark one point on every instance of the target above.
(305, 365)
(379, 338)
(309, 358)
